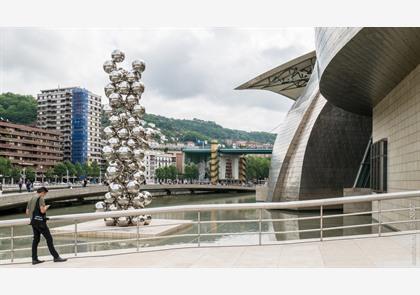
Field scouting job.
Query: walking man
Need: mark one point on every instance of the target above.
(20, 185)
(36, 210)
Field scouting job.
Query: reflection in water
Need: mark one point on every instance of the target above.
(222, 229)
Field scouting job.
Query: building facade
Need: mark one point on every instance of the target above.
(157, 159)
(76, 113)
(26, 146)
(355, 123)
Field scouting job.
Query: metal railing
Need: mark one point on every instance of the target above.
(320, 204)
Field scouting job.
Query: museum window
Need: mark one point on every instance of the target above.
(378, 164)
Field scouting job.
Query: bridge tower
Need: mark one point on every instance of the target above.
(214, 162)
(242, 168)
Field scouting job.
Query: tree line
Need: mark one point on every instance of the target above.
(78, 170)
(171, 173)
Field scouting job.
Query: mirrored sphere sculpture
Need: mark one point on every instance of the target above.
(127, 142)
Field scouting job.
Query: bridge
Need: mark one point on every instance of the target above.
(223, 163)
(19, 200)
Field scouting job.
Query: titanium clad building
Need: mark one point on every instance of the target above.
(355, 122)
(76, 113)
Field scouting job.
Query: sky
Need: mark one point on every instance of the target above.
(190, 73)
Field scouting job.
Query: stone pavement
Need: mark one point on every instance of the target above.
(390, 251)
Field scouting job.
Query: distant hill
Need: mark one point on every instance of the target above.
(22, 109)
(196, 129)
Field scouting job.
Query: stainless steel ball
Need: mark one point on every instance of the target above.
(148, 220)
(138, 200)
(122, 133)
(131, 143)
(131, 76)
(137, 131)
(109, 89)
(123, 201)
(139, 110)
(115, 189)
(147, 197)
(107, 151)
(138, 154)
(123, 221)
(133, 187)
(115, 76)
(115, 100)
(124, 152)
(137, 87)
(139, 176)
(132, 122)
(109, 221)
(123, 87)
(100, 206)
(109, 66)
(108, 198)
(117, 55)
(107, 109)
(132, 99)
(138, 66)
(113, 142)
(108, 132)
(124, 116)
(141, 219)
(113, 171)
(114, 120)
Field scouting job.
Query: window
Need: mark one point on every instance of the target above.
(378, 164)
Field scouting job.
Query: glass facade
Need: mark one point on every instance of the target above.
(80, 108)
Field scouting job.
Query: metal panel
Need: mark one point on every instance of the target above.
(359, 67)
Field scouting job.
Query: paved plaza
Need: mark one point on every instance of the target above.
(390, 251)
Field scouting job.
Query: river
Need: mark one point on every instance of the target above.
(222, 229)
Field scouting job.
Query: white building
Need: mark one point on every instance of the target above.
(76, 113)
(157, 159)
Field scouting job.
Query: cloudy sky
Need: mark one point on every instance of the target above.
(190, 73)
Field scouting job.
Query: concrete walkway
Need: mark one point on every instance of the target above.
(392, 251)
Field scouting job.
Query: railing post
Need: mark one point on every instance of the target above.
(379, 218)
(321, 222)
(75, 238)
(198, 227)
(260, 227)
(138, 234)
(12, 244)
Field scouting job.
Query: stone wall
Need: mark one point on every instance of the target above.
(397, 118)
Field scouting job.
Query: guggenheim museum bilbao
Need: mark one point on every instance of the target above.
(355, 121)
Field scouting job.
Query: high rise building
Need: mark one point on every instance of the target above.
(76, 113)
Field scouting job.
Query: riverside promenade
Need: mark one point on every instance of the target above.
(16, 200)
(387, 251)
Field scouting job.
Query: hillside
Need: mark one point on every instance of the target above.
(22, 109)
(191, 130)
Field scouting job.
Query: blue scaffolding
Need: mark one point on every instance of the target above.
(79, 134)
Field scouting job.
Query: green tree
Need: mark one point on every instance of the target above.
(257, 167)
(159, 173)
(87, 169)
(60, 169)
(80, 172)
(71, 168)
(172, 172)
(15, 173)
(49, 174)
(94, 169)
(191, 171)
(30, 173)
(5, 167)
(17, 108)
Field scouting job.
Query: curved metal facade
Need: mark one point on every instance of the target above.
(359, 66)
(318, 149)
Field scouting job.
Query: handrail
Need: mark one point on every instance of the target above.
(213, 207)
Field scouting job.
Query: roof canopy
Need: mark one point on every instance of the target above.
(288, 79)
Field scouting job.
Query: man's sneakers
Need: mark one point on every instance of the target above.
(37, 261)
(59, 259)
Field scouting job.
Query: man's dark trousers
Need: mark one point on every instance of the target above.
(39, 228)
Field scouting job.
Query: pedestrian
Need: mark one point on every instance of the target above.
(28, 185)
(85, 182)
(36, 210)
(20, 183)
